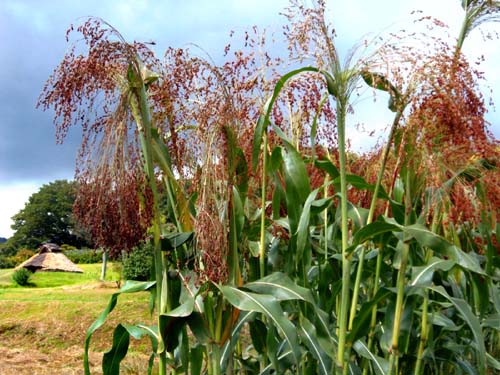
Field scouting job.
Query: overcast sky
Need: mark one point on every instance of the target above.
(32, 42)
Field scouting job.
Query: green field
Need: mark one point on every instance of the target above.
(42, 327)
(91, 273)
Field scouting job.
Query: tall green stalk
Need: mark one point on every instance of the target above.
(401, 281)
(346, 262)
(373, 319)
(262, 248)
(325, 219)
(141, 113)
(424, 332)
(371, 214)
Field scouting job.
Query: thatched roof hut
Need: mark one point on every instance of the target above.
(50, 258)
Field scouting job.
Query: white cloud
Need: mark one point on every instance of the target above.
(12, 199)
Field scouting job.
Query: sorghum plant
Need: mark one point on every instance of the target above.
(273, 229)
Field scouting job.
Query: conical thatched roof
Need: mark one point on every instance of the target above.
(50, 258)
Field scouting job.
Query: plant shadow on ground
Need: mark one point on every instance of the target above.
(42, 327)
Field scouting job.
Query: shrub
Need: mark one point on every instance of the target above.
(8, 248)
(22, 255)
(66, 247)
(84, 256)
(137, 264)
(7, 262)
(22, 276)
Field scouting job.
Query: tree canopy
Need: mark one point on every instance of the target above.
(48, 216)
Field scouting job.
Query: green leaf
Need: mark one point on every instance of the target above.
(472, 321)
(237, 221)
(325, 334)
(244, 318)
(422, 276)
(281, 287)
(380, 365)
(357, 214)
(328, 167)
(406, 325)
(360, 183)
(129, 287)
(314, 125)
(275, 160)
(258, 333)
(297, 186)
(182, 352)
(437, 243)
(182, 310)
(237, 164)
(286, 355)
(267, 305)
(170, 328)
(368, 232)
(361, 322)
(162, 148)
(199, 327)
(254, 247)
(319, 205)
(307, 333)
(196, 359)
(179, 204)
(466, 367)
(287, 142)
(174, 240)
(138, 331)
(263, 121)
(296, 176)
(494, 289)
(111, 359)
(492, 321)
(481, 294)
(272, 344)
(238, 212)
(438, 318)
(242, 176)
(303, 228)
(379, 82)
(398, 190)
(278, 198)
(257, 139)
(330, 84)
(492, 362)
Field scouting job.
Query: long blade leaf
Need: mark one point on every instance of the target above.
(267, 305)
(472, 321)
(129, 287)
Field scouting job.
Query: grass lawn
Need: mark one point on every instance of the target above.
(91, 273)
(42, 327)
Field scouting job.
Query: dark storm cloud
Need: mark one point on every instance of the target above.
(32, 43)
(28, 54)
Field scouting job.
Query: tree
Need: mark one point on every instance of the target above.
(47, 216)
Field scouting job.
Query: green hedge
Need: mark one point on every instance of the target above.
(84, 256)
